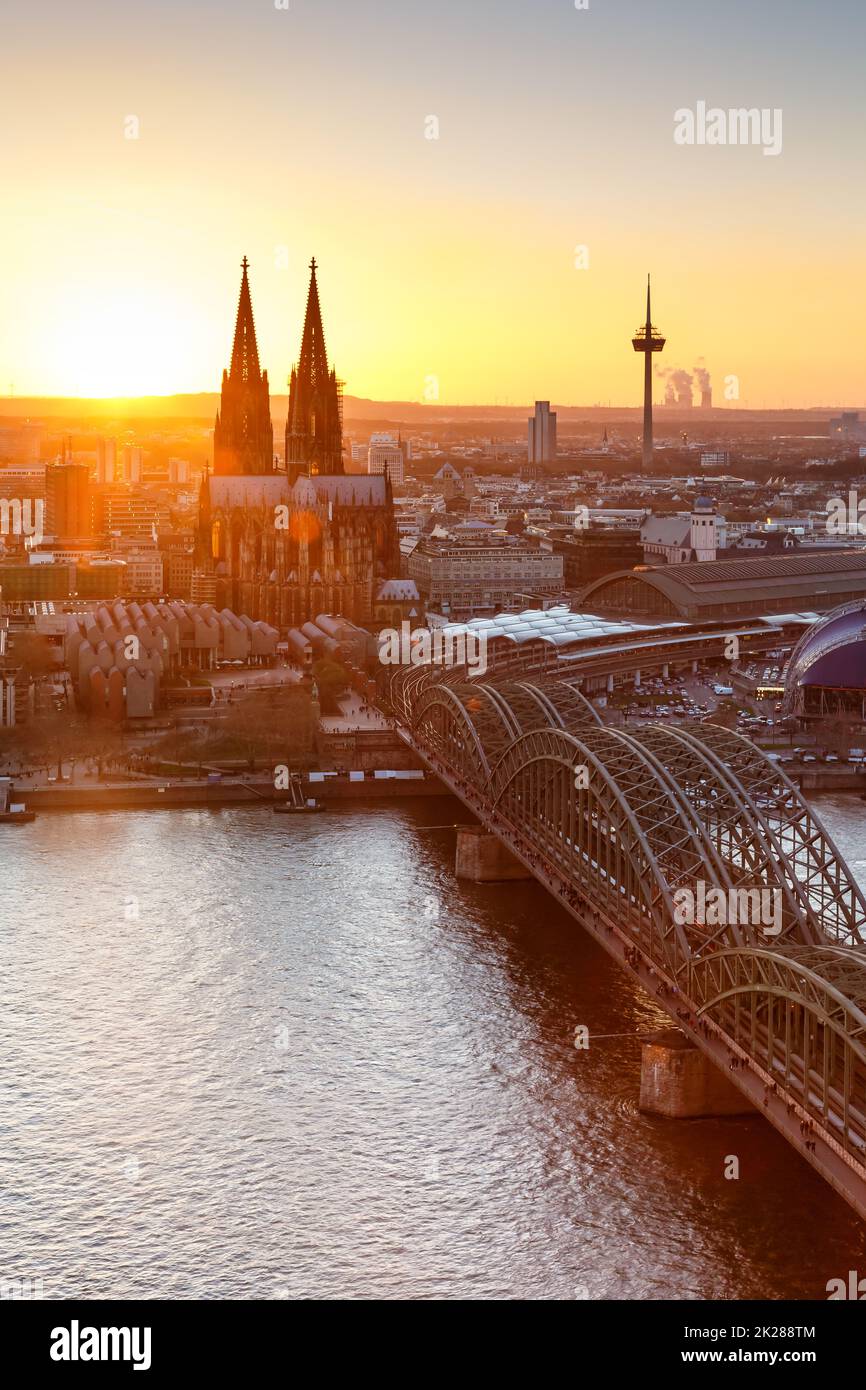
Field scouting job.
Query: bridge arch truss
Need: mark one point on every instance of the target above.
(635, 826)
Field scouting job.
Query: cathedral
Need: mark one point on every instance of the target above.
(285, 543)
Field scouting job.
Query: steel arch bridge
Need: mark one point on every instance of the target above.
(637, 830)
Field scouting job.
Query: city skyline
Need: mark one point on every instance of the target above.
(122, 251)
(433, 670)
(663, 382)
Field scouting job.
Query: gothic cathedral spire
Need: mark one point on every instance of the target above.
(314, 428)
(243, 433)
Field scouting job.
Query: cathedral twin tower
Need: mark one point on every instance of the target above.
(284, 545)
(243, 433)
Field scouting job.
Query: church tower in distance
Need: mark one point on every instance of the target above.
(314, 428)
(243, 438)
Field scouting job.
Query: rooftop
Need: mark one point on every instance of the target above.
(789, 583)
(557, 625)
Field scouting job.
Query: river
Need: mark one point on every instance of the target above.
(256, 1056)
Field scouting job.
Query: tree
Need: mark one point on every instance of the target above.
(102, 740)
(271, 725)
(19, 745)
(49, 737)
(332, 680)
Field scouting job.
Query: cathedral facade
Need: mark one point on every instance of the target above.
(285, 544)
(284, 552)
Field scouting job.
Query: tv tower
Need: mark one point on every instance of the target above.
(648, 340)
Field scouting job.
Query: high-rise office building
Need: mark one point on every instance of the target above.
(67, 500)
(26, 482)
(385, 455)
(542, 434)
(106, 461)
(130, 512)
(133, 463)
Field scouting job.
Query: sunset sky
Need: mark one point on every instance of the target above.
(263, 129)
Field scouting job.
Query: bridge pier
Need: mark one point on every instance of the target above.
(678, 1080)
(483, 858)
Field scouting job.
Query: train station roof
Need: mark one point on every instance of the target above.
(723, 589)
(557, 625)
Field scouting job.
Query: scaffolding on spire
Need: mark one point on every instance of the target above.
(314, 427)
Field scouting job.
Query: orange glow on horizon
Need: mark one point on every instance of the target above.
(452, 259)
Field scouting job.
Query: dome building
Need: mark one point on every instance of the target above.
(826, 675)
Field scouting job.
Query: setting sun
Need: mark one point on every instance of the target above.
(127, 345)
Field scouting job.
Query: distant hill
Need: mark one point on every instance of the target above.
(202, 406)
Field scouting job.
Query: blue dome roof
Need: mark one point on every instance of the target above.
(833, 652)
